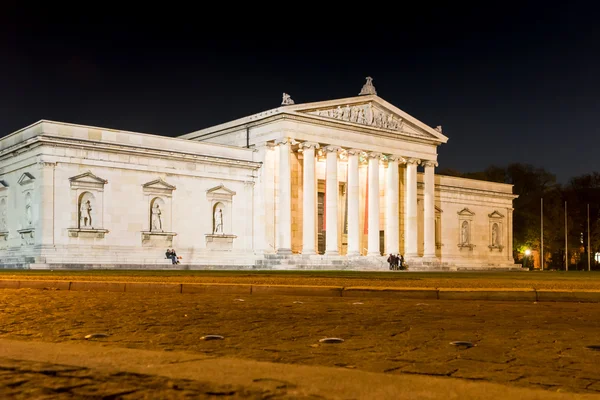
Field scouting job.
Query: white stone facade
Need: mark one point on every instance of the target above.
(333, 184)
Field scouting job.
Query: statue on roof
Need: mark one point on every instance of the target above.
(368, 87)
(287, 100)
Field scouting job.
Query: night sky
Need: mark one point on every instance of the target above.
(507, 84)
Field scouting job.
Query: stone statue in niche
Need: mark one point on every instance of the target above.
(156, 218)
(464, 233)
(3, 215)
(85, 215)
(28, 215)
(218, 217)
(495, 235)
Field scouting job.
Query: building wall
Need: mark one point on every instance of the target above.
(68, 163)
(481, 204)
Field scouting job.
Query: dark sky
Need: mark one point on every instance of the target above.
(507, 84)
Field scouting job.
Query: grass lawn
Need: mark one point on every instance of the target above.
(531, 279)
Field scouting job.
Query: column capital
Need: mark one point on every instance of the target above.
(414, 161)
(374, 154)
(354, 152)
(309, 145)
(285, 141)
(332, 149)
(393, 157)
(428, 163)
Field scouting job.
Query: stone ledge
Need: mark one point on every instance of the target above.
(560, 295)
(298, 290)
(58, 285)
(500, 294)
(493, 294)
(400, 293)
(87, 233)
(98, 286)
(224, 288)
(9, 284)
(152, 287)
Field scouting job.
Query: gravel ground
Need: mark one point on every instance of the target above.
(537, 280)
(523, 344)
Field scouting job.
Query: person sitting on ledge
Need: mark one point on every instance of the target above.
(174, 257)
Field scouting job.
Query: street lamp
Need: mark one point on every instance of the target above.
(527, 254)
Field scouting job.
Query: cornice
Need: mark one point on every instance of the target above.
(145, 151)
(457, 189)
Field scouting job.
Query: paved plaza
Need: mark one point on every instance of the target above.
(546, 346)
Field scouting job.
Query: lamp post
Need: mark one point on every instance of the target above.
(527, 254)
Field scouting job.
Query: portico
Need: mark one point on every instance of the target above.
(360, 195)
(344, 177)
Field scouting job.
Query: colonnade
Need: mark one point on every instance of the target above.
(392, 228)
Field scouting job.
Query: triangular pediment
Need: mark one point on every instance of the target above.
(465, 212)
(373, 112)
(3, 184)
(87, 177)
(495, 214)
(437, 209)
(159, 184)
(26, 178)
(221, 189)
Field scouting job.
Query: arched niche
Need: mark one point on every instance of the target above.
(88, 192)
(158, 200)
(221, 234)
(496, 231)
(3, 218)
(465, 224)
(87, 210)
(158, 214)
(218, 218)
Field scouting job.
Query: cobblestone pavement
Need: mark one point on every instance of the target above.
(523, 344)
(539, 280)
(34, 380)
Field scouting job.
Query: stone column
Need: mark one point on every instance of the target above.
(373, 220)
(353, 203)
(509, 230)
(284, 222)
(392, 226)
(429, 210)
(309, 206)
(410, 224)
(331, 201)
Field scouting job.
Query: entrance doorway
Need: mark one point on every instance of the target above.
(320, 221)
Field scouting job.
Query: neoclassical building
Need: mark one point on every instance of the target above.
(336, 184)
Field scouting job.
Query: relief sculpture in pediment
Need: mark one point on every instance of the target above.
(364, 114)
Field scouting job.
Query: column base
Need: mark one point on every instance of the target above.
(309, 252)
(353, 254)
(371, 254)
(284, 251)
(332, 253)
